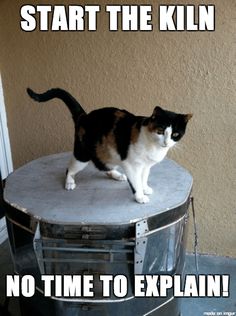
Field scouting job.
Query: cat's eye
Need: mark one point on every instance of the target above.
(176, 134)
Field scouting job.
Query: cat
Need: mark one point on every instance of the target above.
(110, 137)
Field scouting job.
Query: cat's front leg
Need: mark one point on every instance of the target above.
(134, 175)
(145, 174)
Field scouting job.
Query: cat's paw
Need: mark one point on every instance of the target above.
(142, 199)
(147, 190)
(116, 175)
(70, 186)
(122, 177)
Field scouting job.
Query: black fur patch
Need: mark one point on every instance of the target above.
(100, 165)
(161, 119)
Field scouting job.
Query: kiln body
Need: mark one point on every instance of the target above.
(96, 229)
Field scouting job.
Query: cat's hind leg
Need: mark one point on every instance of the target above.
(116, 175)
(74, 167)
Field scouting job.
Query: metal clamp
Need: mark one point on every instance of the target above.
(141, 229)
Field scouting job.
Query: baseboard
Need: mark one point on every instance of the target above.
(3, 230)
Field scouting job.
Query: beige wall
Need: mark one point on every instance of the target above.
(185, 71)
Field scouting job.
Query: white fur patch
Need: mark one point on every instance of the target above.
(164, 140)
(149, 149)
(74, 167)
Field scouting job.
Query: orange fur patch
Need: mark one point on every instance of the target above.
(188, 117)
(151, 127)
(134, 134)
(119, 114)
(81, 133)
(102, 149)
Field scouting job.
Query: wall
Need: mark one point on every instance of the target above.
(183, 71)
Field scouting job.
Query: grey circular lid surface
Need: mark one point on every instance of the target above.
(37, 189)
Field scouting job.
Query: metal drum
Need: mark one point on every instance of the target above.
(96, 229)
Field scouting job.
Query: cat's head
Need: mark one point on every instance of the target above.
(167, 127)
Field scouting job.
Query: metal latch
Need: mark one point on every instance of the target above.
(141, 229)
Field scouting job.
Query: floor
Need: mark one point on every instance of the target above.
(211, 306)
(190, 306)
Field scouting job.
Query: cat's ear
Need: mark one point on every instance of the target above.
(187, 117)
(157, 111)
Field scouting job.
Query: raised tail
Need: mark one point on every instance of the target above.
(72, 104)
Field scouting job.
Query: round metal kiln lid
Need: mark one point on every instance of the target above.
(37, 189)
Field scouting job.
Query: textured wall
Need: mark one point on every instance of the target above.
(184, 71)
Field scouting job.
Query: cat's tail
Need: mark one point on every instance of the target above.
(72, 104)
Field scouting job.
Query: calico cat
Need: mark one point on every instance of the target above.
(111, 137)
